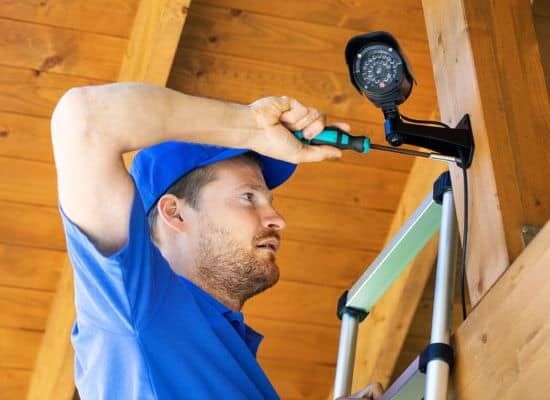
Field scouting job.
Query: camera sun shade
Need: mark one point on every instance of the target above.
(379, 69)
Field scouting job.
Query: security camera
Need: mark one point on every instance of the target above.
(379, 69)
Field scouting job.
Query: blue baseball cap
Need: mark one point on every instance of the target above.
(156, 168)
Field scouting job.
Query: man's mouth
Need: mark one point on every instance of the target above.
(270, 244)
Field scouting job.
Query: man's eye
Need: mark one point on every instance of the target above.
(248, 196)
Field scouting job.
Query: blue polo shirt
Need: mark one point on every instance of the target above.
(144, 332)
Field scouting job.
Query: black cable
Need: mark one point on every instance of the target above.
(464, 238)
(425, 122)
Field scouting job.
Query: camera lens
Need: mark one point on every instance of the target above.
(378, 68)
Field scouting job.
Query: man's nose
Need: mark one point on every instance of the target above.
(273, 220)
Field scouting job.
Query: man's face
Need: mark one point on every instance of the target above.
(237, 233)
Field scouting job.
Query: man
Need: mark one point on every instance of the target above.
(166, 256)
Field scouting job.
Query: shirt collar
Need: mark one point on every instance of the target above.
(235, 318)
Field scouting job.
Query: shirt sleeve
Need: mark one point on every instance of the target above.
(118, 292)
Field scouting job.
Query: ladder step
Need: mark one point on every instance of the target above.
(410, 384)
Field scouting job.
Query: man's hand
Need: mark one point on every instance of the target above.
(373, 391)
(278, 117)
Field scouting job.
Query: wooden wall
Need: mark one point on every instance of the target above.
(338, 212)
(46, 47)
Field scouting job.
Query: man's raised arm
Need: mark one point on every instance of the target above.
(93, 126)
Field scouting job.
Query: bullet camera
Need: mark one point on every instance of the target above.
(379, 69)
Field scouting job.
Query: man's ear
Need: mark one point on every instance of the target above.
(170, 209)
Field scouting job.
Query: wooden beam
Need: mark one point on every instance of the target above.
(52, 377)
(153, 41)
(151, 49)
(541, 17)
(383, 333)
(487, 64)
(503, 347)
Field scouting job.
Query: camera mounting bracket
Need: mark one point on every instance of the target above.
(455, 142)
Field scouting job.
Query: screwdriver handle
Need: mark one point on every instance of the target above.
(336, 137)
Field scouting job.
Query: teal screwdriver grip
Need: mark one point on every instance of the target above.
(336, 137)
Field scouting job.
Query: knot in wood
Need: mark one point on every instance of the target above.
(50, 62)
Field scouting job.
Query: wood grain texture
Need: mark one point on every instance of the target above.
(14, 383)
(262, 37)
(382, 334)
(506, 338)
(29, 268)
(321, 264)
(26, 137)
(297, 302)
(31, 225)
(30, 182)
(155, 35)
(346, 184)
(91, 16)
(541, 18)
(24, 308)
(341, 226)
(44, 48)
(53, 376)
(360, 15)
(296, 341)
(18, 348)
(479, 49)
(298, 380)
(26, 91)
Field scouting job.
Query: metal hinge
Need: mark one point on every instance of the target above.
(528, 233)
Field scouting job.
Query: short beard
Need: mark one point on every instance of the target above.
(228, 271)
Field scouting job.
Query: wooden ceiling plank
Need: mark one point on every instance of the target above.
(25, 137)
(506, 338)
(382, 334)
(364, 16)
(14, 383)
(18, 348)
(30, 268)
(310, 343)
(479, 49)
(148, 58)
(350, 227)
(24, 308)
(306, 44)
(90, 16)
(321, 264)
(299, 379)
(24, 91)
(31, 225)
(61, 50)
(341, 183)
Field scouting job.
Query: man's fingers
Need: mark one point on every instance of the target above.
(312, 116)
(342, 125)
(318, 153)
(296, 112)
(313, 129)
(374, 391)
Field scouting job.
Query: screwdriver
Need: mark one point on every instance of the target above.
(339, 138)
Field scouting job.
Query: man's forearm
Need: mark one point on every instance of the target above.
(130, 116)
